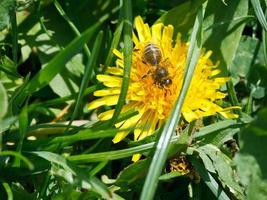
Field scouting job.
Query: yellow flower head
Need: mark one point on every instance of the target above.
(152, 92)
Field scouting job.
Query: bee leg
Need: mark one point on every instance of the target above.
(148, 73)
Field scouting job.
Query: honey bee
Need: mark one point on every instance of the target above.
(152, 55)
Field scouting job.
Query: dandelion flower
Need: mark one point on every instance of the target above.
(153, 99)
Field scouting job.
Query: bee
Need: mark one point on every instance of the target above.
(152, 55)
(161, 76)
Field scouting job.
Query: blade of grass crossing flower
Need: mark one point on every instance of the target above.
(128, 46)
(72, 26)
(259, 13)
(44, 76)
(114, 43)
(119, 154)
(8, 191)
(87, 74)
(163, 144)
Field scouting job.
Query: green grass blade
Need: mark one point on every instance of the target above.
(14, 36)
(162, 148)
(114, 43)
(87, 74)
(114, 155)
(8, 191)
(72, 26)
(128, 46)
(3, 101)
(81, 175)
(178, 144)
(264, 41)
(62, 100)
(259, 13)
(44, 76)
(23, 125)
(18, 156)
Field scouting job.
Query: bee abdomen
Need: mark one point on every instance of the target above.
(152, 54)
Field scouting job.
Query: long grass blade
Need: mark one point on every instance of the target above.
(72, 26)
(76, 171)
(18, 156)
(44, 76)
(163, 144)
(128, 46)
(8, 191)
(87, 75)
(259, 13)
(114, 43)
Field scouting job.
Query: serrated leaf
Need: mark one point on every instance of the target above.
(222, 165)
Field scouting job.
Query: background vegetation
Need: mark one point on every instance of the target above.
(52, 147)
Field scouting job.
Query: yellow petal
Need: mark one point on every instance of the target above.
(118, 53)
(120, 136)
(115, 71)
(106, 115)
(129, 123)
(156, 32)
(142, 29)
(135, 39)
(108, 100)
(107, 92)
(109, 81)
(136, 157)
(189, 115)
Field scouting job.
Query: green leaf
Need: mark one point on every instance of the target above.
(214, 186)
(182, 17)
(222, 165)
(223, 40)
(57, 64)
(204, 157)
(132, 173)
(75, 171)
(251, 160)
(6, 6)
(169, 176)
(8, 66)
(3, 101)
